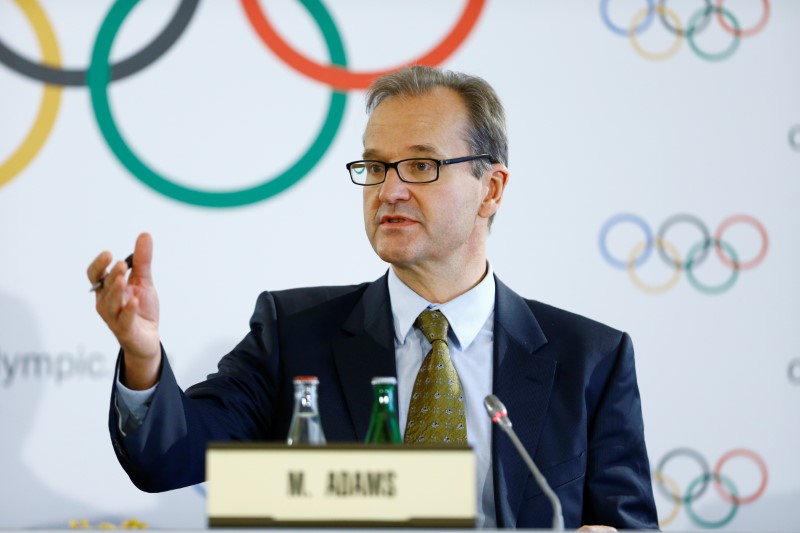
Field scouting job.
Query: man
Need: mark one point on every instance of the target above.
(433, 175)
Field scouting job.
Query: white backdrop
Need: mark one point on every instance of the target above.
(597, 130)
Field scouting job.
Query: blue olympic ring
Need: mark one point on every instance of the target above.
(651, 11)
(698, 22)
(697, 254)
(613, 221)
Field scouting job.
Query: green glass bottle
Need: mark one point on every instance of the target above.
(383, 425)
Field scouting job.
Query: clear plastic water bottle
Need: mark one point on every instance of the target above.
(306, 427)
(383, 425)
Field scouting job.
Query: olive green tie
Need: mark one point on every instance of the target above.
(436, 412)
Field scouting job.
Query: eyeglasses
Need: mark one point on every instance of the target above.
(412, 170)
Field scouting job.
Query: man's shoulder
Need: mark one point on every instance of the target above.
(302, 296)
(557, 315)
(559, 321)
(299, 299)
(321, 308)
(573, 335)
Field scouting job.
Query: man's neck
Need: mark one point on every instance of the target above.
(440, 285)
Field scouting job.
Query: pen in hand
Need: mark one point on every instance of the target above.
(99, 285)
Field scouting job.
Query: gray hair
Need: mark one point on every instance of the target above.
(487, 118)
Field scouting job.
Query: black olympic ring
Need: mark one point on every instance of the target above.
(697, 23)
(672, 257)
(131, 65)
(98, 75)
(794, 138)
(707, 16)
(724, 485)
(706, 246)
(794, 371)
(705, 472)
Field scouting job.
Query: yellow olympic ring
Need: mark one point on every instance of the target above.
(655, 289)
(656, 56)
(673, 488)
(51, 98)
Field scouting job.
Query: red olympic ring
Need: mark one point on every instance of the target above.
(739, 500)
(764, 239)
(342, 78)
(743, 33)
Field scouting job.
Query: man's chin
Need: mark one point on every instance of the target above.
(394, 255)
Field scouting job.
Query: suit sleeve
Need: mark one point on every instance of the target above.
(618, 490)
(236, 403)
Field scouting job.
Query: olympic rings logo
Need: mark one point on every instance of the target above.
(698, 22)
(101, 73)
(794, 371)
(723, 484)
(672, 257)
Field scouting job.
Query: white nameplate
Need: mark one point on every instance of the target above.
(252, 484)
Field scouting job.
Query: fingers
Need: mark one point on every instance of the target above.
(116, 286)
(98, 267)
(142, 259)
(114, 295)
(115, 292)
(118, 271)
(128, 303)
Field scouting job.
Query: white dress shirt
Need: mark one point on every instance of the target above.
(471, 318)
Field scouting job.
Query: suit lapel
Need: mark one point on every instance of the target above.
(364, 350)
(523, 382)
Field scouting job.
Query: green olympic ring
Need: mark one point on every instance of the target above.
(720, 56)
(98, 78)
(687, 502)
(708, 289)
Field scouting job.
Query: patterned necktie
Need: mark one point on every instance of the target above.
(436, 412)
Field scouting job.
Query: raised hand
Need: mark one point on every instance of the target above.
(130, 309)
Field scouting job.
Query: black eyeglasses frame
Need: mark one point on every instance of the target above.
(439, 163)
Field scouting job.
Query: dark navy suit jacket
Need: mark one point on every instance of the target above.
(569, 384)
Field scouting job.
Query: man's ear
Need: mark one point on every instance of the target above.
(496, 185)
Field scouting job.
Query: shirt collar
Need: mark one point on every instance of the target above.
(466, 314)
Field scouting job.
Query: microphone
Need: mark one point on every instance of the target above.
(499, 415)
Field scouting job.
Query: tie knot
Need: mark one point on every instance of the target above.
(433, 325)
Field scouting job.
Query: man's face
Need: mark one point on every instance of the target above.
(430, 225)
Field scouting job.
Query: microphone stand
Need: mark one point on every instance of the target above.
(497, 411)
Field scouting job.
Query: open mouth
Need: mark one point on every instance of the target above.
(396, 220)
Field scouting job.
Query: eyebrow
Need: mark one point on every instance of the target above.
(418, 150)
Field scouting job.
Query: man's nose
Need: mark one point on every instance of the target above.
(393, 189)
